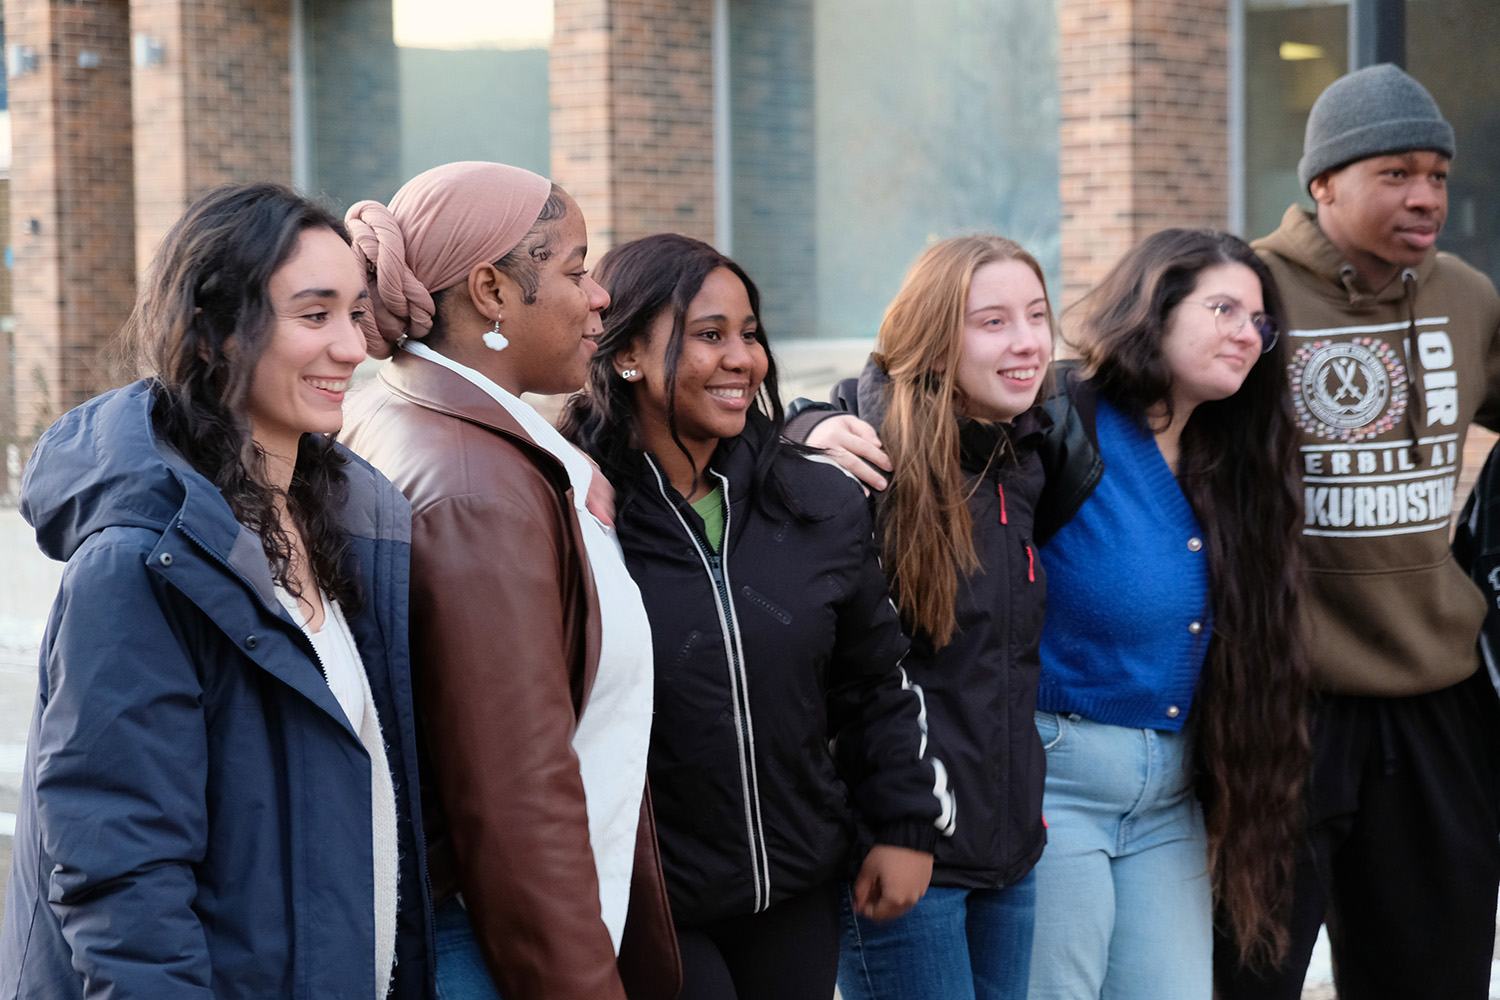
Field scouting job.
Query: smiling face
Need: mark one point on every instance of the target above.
(553, 336)
(318, 297)
(1384, 213)
(1206, 364)
(719, 371)
(1007, 341)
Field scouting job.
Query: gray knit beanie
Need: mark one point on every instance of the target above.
(1370, 112)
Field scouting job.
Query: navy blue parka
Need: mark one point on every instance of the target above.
(195, 815)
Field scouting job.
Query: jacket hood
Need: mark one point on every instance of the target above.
(101, 465)
(1301, 241)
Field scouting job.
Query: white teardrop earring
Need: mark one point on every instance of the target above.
(495, 340)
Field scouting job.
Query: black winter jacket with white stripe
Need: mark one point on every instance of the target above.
(981, 688)
(787, 736)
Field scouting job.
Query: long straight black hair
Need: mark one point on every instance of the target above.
(202, 321)
(645, 278)
(1238, 468)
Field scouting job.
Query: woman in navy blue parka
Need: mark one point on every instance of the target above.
(220, 781)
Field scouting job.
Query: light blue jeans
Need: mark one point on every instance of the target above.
(955, 944)
(1124, 910)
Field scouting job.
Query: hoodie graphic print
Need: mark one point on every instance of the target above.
(1351, 387)
(1385, 384)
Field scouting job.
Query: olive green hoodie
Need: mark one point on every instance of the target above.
(1389, 611)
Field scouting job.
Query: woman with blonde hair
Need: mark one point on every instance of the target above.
(951, 393)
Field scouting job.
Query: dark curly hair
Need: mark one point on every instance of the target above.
(1238, 468)
(200, 325)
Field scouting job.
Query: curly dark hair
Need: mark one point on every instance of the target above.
(645, 278)
(1238, 468)
(200, 325)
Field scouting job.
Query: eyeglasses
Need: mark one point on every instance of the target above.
(1231, 317)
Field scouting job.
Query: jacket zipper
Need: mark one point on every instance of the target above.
(431, 934)
(739, 690)
(310, 649)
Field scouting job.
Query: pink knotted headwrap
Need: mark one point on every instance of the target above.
(441, 224)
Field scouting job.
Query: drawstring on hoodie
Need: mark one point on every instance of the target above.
(1413, 362)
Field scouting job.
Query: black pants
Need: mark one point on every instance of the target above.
(788, 952)
(1404, 853)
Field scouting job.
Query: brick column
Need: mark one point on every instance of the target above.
(1145, 126)
(71, 188)
(217, 109)
(632, 115)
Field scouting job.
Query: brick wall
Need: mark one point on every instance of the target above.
(364, 161)
(217, 110)
(773, 104)
(71, 185)
(105, 158)
(632, 115)
(1145, 132)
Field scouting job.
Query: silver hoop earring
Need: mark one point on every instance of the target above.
(628, 374)
(495, 340)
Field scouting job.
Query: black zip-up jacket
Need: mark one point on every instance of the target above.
(1476, 546)
(786, 735)
(981, 687)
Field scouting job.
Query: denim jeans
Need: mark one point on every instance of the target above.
(1124, 910)
(461, 972)
(955, 944)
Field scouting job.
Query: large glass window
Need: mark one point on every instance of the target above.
(397, 86)
(1293, 49)
(865, 130)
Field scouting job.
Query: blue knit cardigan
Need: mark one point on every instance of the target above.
(1129, 613)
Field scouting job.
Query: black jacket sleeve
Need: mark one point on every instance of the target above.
(877, 717)
(1069, 451)
(805, 414)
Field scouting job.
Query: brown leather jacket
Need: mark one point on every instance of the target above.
(505, 643)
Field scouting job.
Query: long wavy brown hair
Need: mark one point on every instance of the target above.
(202, 321)
(928, 532)
(1238, 468)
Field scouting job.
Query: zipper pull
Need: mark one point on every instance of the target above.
(1030, 565)
(1000, 487)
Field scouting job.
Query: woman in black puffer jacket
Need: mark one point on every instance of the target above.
(950, 393)
(788, 739)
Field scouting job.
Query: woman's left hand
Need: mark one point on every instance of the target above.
(891, 881)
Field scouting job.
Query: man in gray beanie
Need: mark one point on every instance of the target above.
(1396, 350)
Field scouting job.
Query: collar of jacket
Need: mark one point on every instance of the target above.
(433, 387)
(979, 440)
(1302, 242)
(735, 459)
(445, 391)
(101, 465)
(1069, 449)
